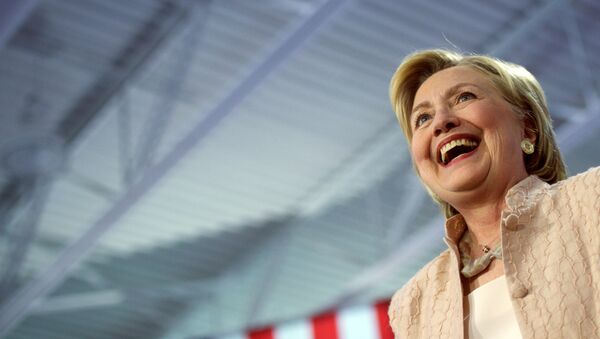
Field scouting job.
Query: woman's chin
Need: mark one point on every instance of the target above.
(463, 184)
(462, 178)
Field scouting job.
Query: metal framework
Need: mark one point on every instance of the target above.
(165, 22)
(12, 15)
(163, 110)
(17, 307)
(22, 235)
(184, 290)
(583, 123)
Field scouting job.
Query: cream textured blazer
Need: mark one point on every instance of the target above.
(551, 253)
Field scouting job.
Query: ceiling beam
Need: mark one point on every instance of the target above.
(23, 233)
(278, 253)
(13, 13)
(583, 71)
(523, 28)
(184, 290)
(580, 130)
(166, 21)
(163, 110)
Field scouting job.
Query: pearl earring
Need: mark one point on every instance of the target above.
(527, 146)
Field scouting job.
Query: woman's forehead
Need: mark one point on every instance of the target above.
(442, 81)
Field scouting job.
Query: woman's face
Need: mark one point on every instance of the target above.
(466, 137)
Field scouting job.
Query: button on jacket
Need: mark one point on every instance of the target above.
(551, 254)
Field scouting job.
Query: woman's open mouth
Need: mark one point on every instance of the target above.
(456, 148)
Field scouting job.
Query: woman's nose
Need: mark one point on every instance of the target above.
(444, 122)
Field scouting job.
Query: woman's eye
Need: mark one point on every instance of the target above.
(421, 119)
(465, 97)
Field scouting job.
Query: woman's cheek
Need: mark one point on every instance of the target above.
(419, 150)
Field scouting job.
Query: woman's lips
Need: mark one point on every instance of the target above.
(455, 144)
(460, 157)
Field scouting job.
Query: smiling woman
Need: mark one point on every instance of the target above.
(473, 111)
(520, 237)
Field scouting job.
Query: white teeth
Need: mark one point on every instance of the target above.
(454, 143)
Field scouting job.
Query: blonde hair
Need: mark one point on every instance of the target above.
(518, 87)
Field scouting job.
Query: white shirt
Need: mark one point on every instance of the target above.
(491, 313)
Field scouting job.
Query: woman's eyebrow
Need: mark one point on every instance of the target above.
(419, 106)
(447, 93)
(452, 90)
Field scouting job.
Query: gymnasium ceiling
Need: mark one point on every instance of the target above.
(184, 169)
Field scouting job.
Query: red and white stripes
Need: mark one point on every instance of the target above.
(365, 322)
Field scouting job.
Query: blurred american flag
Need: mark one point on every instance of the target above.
(363, 322)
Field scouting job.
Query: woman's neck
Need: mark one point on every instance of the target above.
(482, 210)
(483, 222)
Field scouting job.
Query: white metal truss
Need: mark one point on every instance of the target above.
(163, 110)
(12, 16)
(582, 123)
(18, 306)
(183, 290)
(128, 63)
(22, 232)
